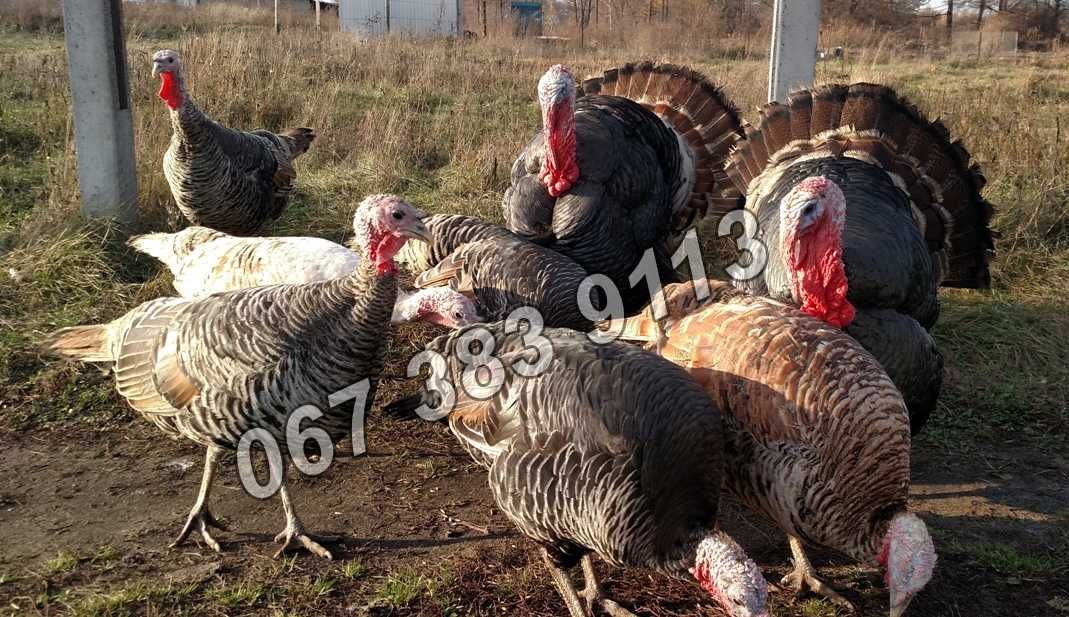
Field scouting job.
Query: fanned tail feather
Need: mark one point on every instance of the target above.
(83, 343)
(873, 123)
(158, 245)
(700, 113)
(300, 140)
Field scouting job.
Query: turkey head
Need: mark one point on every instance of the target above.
(382, 225)
(812, 216)
(556, 97)
(167, 65)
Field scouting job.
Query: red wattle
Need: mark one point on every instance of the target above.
(560, 170)
(169, 90)
(819, 280)
(382, 252)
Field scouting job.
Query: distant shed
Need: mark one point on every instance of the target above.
(374, 17)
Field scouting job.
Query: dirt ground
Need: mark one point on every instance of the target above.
(414, 511)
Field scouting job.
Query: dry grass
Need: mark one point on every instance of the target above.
(440, 121)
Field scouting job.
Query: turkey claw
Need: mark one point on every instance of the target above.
(201, 519)
(297, 537)
(801, 581)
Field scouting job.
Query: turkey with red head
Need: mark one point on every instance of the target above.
(215, 368)
(621, 165)
(853, 188)
(228, 180)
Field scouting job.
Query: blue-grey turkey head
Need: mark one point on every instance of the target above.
(915, 219)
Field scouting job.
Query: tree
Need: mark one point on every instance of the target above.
(582, 9)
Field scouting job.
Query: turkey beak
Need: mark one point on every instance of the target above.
(898, 605)
(417, 230)
(156, 68)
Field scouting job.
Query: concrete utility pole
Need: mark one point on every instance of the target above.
(100, 94)
(792, 64)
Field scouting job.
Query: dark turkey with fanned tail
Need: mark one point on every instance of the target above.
(914, 219)
(623, 169)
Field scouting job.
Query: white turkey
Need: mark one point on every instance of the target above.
(817, 436)
(211, 369)
(204, 261)
(636, 158)
(914, 219)
(610, 450)
(229, 180)
(501, 271)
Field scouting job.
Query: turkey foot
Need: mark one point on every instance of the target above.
(200, 516)
(202, 519)
(295, 535)
(804, 579)
(592, 594)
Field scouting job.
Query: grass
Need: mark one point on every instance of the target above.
(241, 594)
(131, 599)
(1011, 562)
(354, 569)
(61, 564)
(400, 588)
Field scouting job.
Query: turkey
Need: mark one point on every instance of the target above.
(221, 178)
(817, 436)
(502, 272)
(212, 369)
(608, 450)
(906, 216)
(204, 261)
(622, 169)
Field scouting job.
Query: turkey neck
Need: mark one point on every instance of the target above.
(818, 277)
(559, 169)
(189, 123)
(374, 295)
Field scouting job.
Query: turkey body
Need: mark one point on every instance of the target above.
(501, 271)
(914, 217)
(230, 180)
(210, 369)
(630, 167)
(213, 369)
(816, 435)
(609, 450)
(204, 261)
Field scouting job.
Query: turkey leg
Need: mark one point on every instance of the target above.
(295, 533)
(565, 586)
(200, 516)
(593, 594)
(804, 578)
